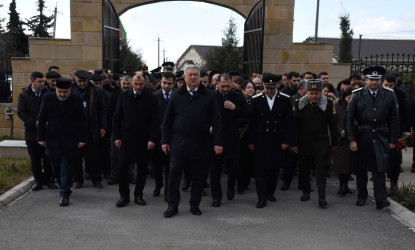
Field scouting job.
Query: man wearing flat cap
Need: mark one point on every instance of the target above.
(372, 128)
(314, 115)
(51, 77)
(95, 111)
(62, 130)
(269, 135)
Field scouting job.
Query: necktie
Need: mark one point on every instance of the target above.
(374, 95)
(167, 96)
(191, 92)
(37, 94)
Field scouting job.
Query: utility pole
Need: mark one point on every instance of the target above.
(158, 50)
(54, 20)
(360, 42)
(316, 31)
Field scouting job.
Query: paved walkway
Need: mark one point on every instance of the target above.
(35, 221)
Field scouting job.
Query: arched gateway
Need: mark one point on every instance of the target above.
(268, 42)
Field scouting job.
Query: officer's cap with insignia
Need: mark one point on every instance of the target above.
(63, 83)
(155, 70)
(314, 85)
(374, 72)
(82, 74)
(271, 80)
(53, 75)
(168, 65)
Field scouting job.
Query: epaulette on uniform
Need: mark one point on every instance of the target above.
(257, 95)
(357, 90)
(329, 98)
(283, 94)
(389, 89)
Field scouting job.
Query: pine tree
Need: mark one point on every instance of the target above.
(228, 57)
(40, 24)
(345, 50)
(16, 39)
(130, 60)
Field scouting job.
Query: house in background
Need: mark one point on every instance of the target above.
(195, 54)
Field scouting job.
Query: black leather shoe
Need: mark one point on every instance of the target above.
(382, 204)
(216, 203)
(122, 201)
(37, 187)
(64, 201)
(195, 211)
(230, 194)
(305, 197)
(322, 203)
(272, 198)
(156, 191)
(51, 185)
(170, 212)
(78, 185)
(342, 190)
(98, 185)
(261, 204)
(360, 202)
(284, 187)
(140, 201)
(112, 181)
(185, 186)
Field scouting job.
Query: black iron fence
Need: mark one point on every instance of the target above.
(5, 83)
(404, 64)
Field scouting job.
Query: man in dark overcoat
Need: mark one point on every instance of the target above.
(269, 135)
(233, 107)
(28, 108)
(372, 128)
(191, 112)
(314, 118)
(136, 128)
(160, 160)
(62, 130)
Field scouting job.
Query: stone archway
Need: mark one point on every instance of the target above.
(84, 48)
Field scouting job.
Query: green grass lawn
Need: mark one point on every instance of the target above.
(12, 172)
(405, 195)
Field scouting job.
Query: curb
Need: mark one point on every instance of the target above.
(404, 215)
(16, 192)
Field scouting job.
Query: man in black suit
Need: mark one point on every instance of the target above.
(232, 106)
(269, 135)
(28, 108)
(160, 160)
(192, 110)
(136, 129)
(62, 130)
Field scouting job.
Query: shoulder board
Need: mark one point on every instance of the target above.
(331, 99)
(297, 100)
(257, 95)
(357, 90)
(389, 89)
(283, 94)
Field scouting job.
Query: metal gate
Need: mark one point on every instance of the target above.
(404, 64)
(254, 39)
(110, 37)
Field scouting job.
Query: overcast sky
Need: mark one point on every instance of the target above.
(180, 24)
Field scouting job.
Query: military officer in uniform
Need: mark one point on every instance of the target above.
(372, 128)
(314, 116)
(269, 135)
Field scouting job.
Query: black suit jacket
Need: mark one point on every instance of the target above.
(187, 121)
(28, 107)
(136, 121)
(66, 125)
(163, 107)
(230, 122)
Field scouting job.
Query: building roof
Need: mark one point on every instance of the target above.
(373, 47)
(202, 50)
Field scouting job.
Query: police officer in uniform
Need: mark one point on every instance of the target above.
(314, 116)
(372, 128)
(269, 135)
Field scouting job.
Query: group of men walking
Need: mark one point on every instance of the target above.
(194, 129)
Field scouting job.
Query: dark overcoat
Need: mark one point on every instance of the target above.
(341, 155)
(230, 122)
(373, 124)
(28, 107)
(136, 122)
(187, 121)
(268, 129)
(312, 125)
(66, 125)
